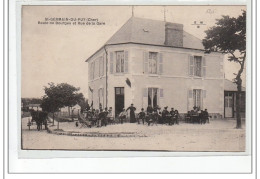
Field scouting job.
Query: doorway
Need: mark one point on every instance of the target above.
(119, 100)
(229, 104)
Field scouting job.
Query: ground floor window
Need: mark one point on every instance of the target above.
(153, 97)
(197, 98)
(101, 97)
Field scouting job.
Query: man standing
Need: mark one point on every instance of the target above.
(149, 109)
(141, 115)
(165, 114)
(132, 113)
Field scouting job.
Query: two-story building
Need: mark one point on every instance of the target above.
(150, 62)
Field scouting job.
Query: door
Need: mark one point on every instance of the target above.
(153, 97)
(229, 104)
(119, 100)
(197, 98)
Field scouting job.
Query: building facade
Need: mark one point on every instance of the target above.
(149, 62)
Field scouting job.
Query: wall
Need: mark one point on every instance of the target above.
(174, 80)
(99, 80)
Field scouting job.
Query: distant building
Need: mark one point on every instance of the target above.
(74, 110)
(150, 62)
(36, 107)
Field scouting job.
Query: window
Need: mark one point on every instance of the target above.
(92, 70)
(101, 66)
(197, 98)
(153, 97)
(197, 65)
(152, 62)
(120, 62)
(101, 97)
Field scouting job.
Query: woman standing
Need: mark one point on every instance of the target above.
(132, 113)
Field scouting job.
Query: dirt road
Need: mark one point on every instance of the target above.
(219, 135)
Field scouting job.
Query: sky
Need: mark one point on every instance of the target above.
(57, 53)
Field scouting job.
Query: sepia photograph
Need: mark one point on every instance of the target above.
(133, 78)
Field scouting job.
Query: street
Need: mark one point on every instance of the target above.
(218, 135)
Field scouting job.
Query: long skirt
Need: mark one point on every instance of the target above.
(132, 117)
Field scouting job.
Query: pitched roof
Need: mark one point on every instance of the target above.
(230, 86)
(150, 32)
(147, 31)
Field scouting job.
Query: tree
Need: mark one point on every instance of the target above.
(58, 96)
(229, 37)
(50, 104)
(84, 104)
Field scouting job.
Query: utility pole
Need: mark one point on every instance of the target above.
(133, 11)
(164, 13)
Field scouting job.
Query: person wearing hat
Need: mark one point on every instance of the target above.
(141, 115)
(159, 112)
(132, 113)
(171, 119)
(101, 117)
(165, 114)
(206, 115)
(149, 109)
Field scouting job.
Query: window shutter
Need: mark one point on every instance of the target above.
(191, 65)
(103, 65)
(145, 62)
(145, 92)
(160, 63)
(89, 71)
(161, 93)
(126, 61)
(190, 100)
(204, 93)
(204, 66)
(100, 66)
(190, 93)
(94, 69)
(111, 62)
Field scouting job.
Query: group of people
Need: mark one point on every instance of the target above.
(197, 116)
(99, 117)
(151, 116)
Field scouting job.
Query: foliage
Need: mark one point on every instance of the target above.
(27, 101)
(84, 104)
(229, 37)
(60, 95)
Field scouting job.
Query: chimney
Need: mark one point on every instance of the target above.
(173, 34)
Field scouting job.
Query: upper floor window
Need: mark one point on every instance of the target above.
(153, 58)
(153, 63)
(120, 62)
(97, 68)
(197, 66)
(101, 66)
(92, 70)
